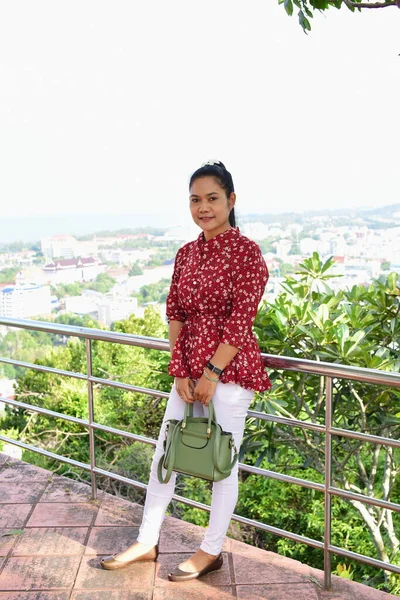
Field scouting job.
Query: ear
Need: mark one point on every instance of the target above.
(232, 200)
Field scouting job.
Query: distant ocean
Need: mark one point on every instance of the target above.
(31, 229)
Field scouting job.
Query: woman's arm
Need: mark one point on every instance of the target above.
(173, 332)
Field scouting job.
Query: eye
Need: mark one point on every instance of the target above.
(214, 198)
(194, 200)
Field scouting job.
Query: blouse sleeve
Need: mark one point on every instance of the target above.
(175, 311)
(248, 290)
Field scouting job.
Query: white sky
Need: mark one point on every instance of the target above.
(109, 106)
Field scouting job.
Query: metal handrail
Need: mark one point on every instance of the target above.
(327, 370)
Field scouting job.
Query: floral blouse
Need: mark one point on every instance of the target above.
(215, 291)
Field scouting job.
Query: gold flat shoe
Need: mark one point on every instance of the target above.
(179, 575)
(112, 564)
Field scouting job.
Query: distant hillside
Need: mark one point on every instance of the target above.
(30, 229)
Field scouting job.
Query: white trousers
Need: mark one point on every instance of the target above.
(231, 403)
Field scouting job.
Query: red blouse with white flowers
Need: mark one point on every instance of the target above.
(215, 291)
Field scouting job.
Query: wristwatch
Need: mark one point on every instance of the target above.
(214, 369)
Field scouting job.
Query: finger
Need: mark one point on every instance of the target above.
(187, 398)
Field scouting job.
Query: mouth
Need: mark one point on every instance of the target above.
(206, 219)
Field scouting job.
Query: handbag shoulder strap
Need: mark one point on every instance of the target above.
(171, 458)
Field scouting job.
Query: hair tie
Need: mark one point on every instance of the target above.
(211, 163)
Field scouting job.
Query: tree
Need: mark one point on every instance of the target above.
(307, 7)
(136, 269)
(361, 327)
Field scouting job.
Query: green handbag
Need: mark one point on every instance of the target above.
(197, 446)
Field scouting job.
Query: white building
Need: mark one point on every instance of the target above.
(255, 231)
(125, 257)
(21, 302)
(82, 305)
(113, 309)
(59, 246)
(73, 270)
(283, 248)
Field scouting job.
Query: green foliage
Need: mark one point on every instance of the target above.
(135, 270)
(63, 290)
(153, 292)
(103, 283)
(8, 274)
(308, 7)
(266, 244)
(359, 327)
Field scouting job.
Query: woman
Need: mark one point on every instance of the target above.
(216, 287)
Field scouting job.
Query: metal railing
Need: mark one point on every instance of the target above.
(329, 371)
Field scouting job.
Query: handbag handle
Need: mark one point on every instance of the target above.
(211, 416)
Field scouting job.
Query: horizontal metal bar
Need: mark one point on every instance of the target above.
(69, 461)
(281, 532)
(275, 530)
(43, 368)
(128, 434)
(281, 477)
(88, 333)
(287, 421)
(365, 499)
(373, 376)
(366, 437)
(314, 367)
(128, 387)
(121, 478)
(374, 562)
(44, 411)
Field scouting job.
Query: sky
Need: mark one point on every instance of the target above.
(109, 107)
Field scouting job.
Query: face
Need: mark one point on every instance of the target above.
(210, 206)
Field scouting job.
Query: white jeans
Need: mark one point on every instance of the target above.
(231, 403)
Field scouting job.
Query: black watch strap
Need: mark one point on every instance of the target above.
(214, 369)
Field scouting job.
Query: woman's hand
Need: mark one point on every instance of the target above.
(185, 387)
(204, 390)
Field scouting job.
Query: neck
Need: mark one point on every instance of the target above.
(212, 234)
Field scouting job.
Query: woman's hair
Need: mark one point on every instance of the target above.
(217, 170)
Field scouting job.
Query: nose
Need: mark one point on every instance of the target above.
(203, 208)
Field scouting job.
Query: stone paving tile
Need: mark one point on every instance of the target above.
(54, 541)
(37, 595)
(39, 572)
(116, 511)
(186, 592)
(167, 563)
(23, 472)
(61, 489)
(6, 541)
(254, 566)
(14, 515)
(110, 540)
(112, 595)
(92, 577)
(18, 492)
(343, 589)
(47, 514)
(278, 591)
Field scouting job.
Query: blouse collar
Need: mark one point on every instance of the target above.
(225, 236)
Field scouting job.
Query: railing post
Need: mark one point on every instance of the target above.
(328, 481)
(91, 416)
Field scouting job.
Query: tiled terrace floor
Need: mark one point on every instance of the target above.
(63, 534)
